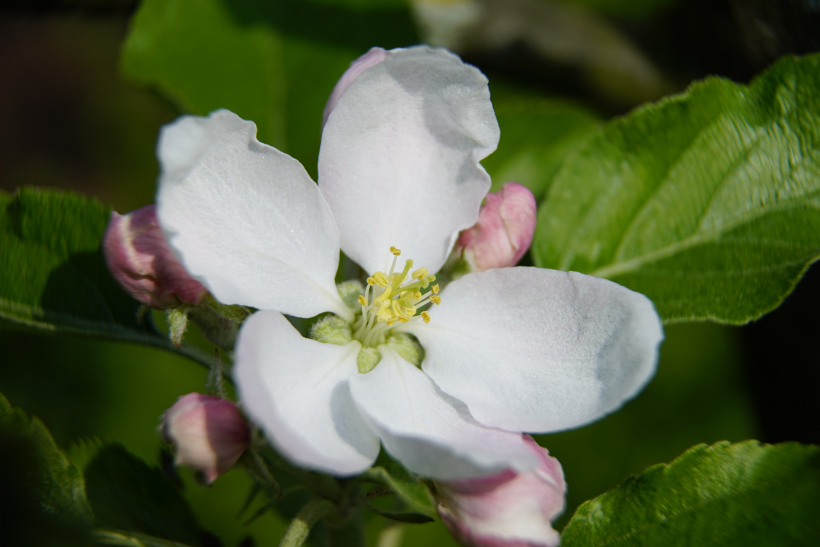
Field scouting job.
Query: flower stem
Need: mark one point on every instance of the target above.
(301, 524)
(349, 533)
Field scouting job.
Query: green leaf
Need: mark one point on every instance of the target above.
(131, 497)
(44, 492)
(707, 202)
(743, 494)
(403, 483)
(537, 134)
(274, 62)
(195, 52)
(59, 282)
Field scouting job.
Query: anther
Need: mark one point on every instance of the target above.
(425, 316)
(436, 300)
(385, 294)
(435, 289)
(420, 273)
(380, 279)
(362, 300)
(395, 251)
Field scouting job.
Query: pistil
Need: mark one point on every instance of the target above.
(387, 302)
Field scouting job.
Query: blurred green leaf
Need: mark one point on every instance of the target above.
(725, 494)
(58, 281)
(706, 202)
(628, 9)
(273, 62)
(44, 492)
(404, 484)
(537, 134)
(129, 496)
(195, 52)
(131, 539)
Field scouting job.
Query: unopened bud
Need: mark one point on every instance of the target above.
(503, 233)
(507, 509)
(373, 57)
(208, 433)
(143, 263)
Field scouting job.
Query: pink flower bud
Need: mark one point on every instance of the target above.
(503, 233)
(143, 264)
(208, 433)
(507, 509)
(373, 57)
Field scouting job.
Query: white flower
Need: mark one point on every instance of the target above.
(508, 350)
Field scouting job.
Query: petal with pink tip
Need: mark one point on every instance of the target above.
(399, 158)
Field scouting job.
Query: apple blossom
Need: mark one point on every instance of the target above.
(373, 57)
(143, 264)
(507, 509)
(208, 433)
(503, 233)
(446, 390)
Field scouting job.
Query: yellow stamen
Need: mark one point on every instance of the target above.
(420, 273)
(396, 301)
(385, 294)
(380, 279)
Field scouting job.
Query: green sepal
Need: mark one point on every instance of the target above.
(177, 319)
(234, 312)
(407, 346)
(350, 291)
(367, 359)
(404, 484)
(331, 329)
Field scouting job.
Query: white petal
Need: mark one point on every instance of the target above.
(537, 350)
(245, 219)
(399, 157)
(297, 391)
(428, 431)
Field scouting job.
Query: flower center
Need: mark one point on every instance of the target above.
(391, 299)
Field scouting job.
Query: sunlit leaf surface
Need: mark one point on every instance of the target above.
(742, 494)
(706, 202)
